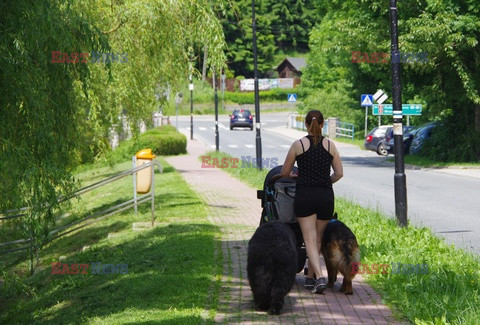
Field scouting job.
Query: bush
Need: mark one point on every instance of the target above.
(163, 140)
(274, 95)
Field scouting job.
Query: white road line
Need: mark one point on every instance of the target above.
(202, 128)
(284, 146)
(232, 146)
(222, 126)
(249, 146)
(270, 146)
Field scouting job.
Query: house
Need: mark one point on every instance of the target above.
(291, 67)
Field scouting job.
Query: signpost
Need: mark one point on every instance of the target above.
(292, 98)
(380, 97)
(367, 101)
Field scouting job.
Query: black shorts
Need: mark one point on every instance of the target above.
(314, 200)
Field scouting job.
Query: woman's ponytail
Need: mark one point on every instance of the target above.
(313, 120)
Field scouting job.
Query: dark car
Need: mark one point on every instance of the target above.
(241, 118)
(423, 133)
(386, 146)
(374, 137)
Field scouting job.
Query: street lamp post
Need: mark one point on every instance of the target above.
(400, 180)
(258, 139)
(217, 140)
(191, 107)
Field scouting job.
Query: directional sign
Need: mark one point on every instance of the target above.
(380, 96)
(292, 98)
(387, 109)
(366, 100)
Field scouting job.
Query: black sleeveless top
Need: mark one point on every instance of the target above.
(314, 166)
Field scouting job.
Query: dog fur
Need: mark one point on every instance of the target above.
(340, 249)
(272, 265)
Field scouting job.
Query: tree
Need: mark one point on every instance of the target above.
(57, 115)
(447, 85)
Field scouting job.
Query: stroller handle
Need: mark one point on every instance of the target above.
(279, 176)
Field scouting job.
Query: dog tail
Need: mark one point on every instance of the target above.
(351, 254)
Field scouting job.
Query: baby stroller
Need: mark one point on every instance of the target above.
(277, 203)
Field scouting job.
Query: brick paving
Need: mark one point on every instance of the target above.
(234, 207)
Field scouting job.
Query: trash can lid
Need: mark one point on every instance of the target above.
(145, 154)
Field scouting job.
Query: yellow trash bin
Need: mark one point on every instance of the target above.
(144, 176)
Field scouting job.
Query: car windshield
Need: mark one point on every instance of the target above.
(241, 112)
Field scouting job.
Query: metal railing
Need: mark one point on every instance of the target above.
(56, 233)
(344, 129)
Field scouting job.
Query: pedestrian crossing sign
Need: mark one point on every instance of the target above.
(292, 98)
(366, 100)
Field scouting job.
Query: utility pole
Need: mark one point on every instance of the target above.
(258, 139)
(400, 179)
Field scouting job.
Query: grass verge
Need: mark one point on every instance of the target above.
(449, 293)
(173, 272)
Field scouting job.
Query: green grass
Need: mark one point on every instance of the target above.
(448, 293)
(164, 262)
(425, 162)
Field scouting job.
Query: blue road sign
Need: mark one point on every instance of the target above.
(366, 100)
(292, 98)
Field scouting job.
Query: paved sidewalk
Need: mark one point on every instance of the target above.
(234, 207)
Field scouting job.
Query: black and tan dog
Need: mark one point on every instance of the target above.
(340, 250)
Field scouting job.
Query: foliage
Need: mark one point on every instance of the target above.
(447, 84)
(163, 140)
(273, 95)
(282, 26)
(58, 115)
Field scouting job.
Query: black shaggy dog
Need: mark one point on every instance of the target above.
(272, 265)
(340, 250)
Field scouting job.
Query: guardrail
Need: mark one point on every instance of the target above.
(344, 129)
(56, 233)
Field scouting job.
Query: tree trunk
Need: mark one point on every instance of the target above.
(204, 67)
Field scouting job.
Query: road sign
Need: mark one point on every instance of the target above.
(380, 96)
(292, 98)
(366, 100)
(387, 109)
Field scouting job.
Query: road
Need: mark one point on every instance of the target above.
(445, 200)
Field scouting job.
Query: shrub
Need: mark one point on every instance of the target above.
(163, 140)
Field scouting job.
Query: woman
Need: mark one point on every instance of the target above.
(314, 199)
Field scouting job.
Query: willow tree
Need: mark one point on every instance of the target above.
(56, 115)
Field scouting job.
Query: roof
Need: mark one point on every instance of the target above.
(297, 63)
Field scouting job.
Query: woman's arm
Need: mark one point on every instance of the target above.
(289, 160)
(336, 165)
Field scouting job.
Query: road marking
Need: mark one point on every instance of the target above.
(222, 126)
(212, 146)
(249, 145)
(270, 146)
(202, 128)
(285, 146)
(232, 146)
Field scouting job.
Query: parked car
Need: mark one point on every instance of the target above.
(386, 146)
(423, 133)
(241, 118)
(375, 136)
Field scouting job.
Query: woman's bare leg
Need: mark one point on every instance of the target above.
(308, 225)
